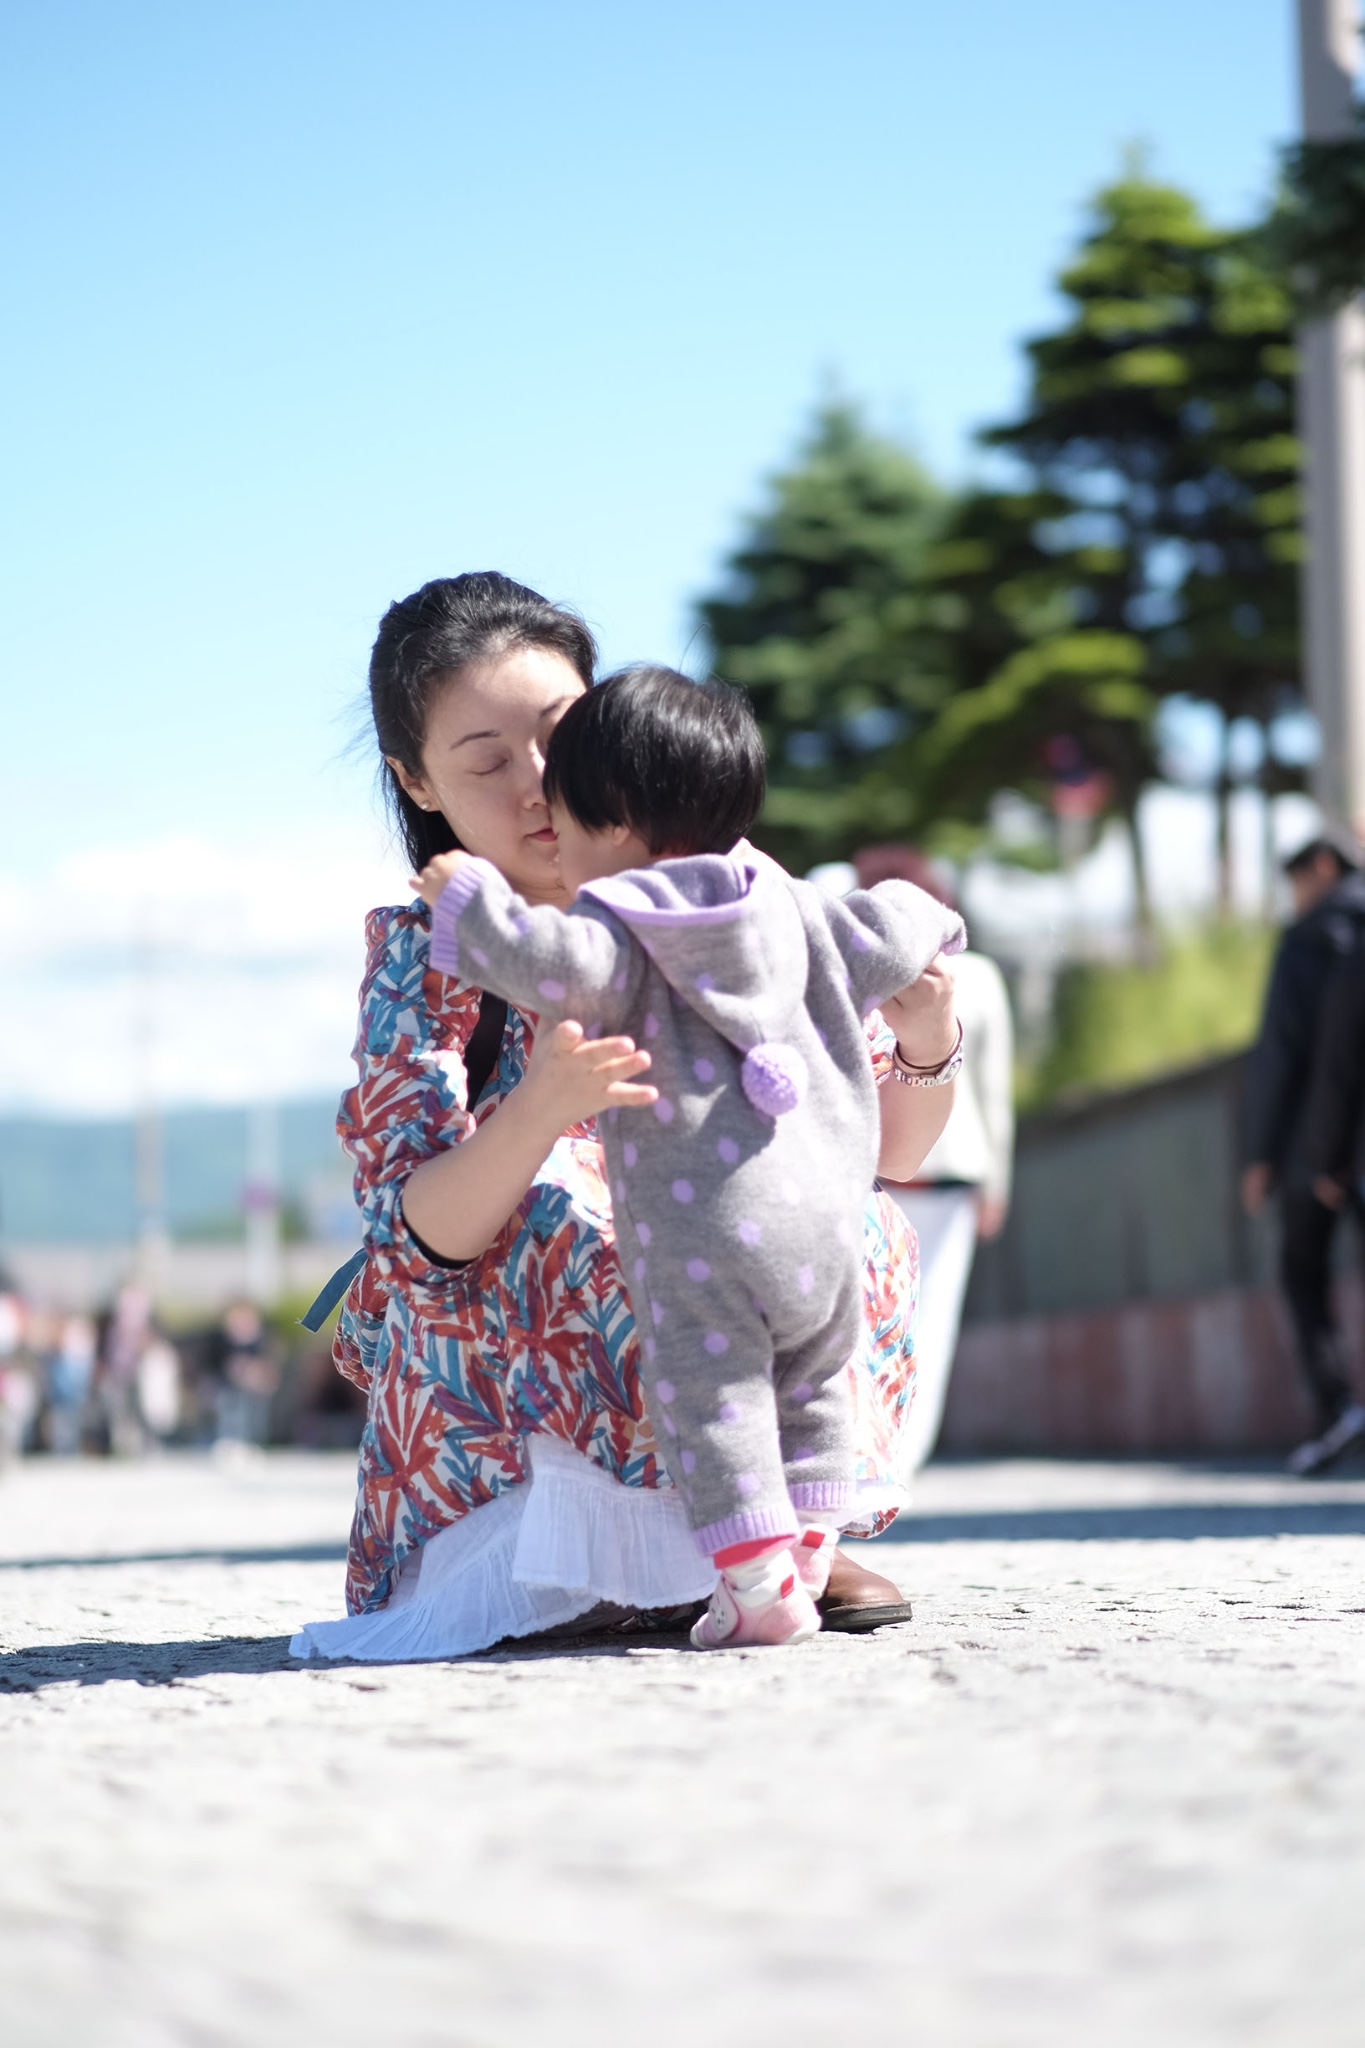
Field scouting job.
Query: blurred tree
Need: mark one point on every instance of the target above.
(821, 619)
(1158, 440)
(910, 657)
(1316, 236)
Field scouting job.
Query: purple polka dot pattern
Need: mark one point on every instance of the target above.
(644, 1233)
(619, 981)
(689, 1461)
(650, 1347)
(639, 1269)
(861, 941)
(553, 991)
(664, 1110)
(657, 1311)
(697, 1269)
(730, 1411)
(477, 954)
(666, 1391)
(728, 1150)
(703, 1070)
(521, 924)
(803, 1393)
(805, 1279)
(803, 1456)
(704, 983)
(651, 1025)
(717, 1343)
(630, 1153)
(750, 1232)
(747, 1484)
(683, 1191)
(670, 1425)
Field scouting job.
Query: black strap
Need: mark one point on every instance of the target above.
(482, 1047)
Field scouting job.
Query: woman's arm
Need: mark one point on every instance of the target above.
(458, 1200)
(924, 1020)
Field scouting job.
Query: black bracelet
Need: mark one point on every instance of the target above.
(935, 1066)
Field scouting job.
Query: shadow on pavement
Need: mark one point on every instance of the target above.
(1157, 1522)
(146, 1663)
(275, 1553)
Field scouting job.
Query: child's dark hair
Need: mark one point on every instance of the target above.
(428, 637)
(680, 762)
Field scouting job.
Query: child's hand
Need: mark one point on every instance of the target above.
(578, 1077)
(923, 1016)
(437, 872)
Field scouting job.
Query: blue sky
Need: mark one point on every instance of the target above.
(311, 300)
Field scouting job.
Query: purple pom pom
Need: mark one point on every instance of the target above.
(774, 1078)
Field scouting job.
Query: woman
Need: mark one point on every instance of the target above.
(961, 1192)
(509, 1480)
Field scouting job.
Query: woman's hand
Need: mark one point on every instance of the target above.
(923, 1016)
(460, 1199)
(435, 875)
(572, 1077)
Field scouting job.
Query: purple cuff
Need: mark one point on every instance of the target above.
(821, 1496)
(458, 893)
(752, 1525)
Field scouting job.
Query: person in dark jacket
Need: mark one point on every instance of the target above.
(1334, 1121)
(1314, 961)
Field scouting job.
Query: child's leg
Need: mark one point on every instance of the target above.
(814, 1401)
(708, 1382)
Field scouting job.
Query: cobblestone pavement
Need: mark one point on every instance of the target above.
(1108, 1788)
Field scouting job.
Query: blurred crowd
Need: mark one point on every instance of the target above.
(120, 1384)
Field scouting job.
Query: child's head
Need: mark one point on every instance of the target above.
(651, 764)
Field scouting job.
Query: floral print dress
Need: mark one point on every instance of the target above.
(464, 1366)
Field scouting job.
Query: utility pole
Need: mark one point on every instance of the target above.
(1332, 424)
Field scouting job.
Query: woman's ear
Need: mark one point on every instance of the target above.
(414, 785)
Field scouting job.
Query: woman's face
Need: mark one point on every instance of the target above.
(484, 756)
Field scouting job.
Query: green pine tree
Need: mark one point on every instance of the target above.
(821, 621)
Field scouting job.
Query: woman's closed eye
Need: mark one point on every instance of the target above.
(482, 768)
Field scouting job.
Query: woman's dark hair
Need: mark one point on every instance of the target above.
(428, 637)
(680, 762)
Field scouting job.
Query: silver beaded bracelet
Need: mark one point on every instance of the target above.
(926, 1077)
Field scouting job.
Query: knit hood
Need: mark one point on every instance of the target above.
(725, 933)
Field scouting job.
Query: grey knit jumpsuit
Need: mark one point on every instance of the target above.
(738, 1196)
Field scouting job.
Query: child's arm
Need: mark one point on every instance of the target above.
(888, 936)
(556, 963)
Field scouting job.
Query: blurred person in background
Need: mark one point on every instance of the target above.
(160, 1400)
(19, 1395)
(127, 1334)
(1318, 955)
(247, 1377)
(962, 1191)
(68, 1362)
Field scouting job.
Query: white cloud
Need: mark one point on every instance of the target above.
(204, 972)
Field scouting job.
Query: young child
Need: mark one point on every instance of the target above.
(738, 1196)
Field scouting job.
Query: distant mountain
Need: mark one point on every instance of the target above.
(68, 1182)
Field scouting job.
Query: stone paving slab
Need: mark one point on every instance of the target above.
(1108, 1787)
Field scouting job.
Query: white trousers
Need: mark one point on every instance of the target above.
(944, 1221)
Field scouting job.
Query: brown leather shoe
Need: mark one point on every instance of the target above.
(858, 1600)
